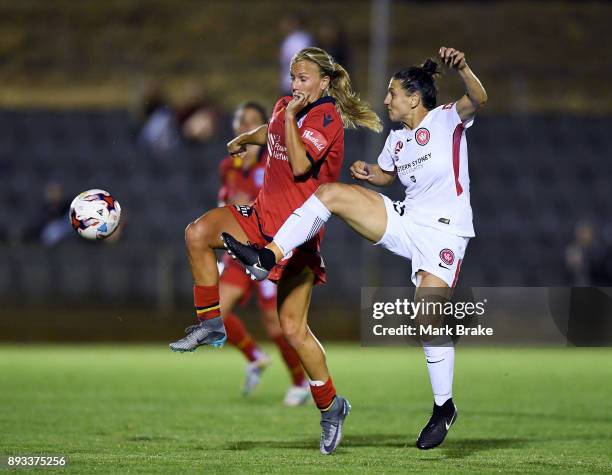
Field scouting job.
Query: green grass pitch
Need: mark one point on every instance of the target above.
(119, 409)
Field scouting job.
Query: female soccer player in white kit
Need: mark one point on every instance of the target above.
(431, 226)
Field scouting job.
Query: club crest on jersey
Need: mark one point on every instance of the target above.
(422, 136)
(398, 147)
(447, 256)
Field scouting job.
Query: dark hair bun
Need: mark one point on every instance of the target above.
(430, 67)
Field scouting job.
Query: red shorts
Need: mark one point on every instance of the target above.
(234, 274)
(299, 260)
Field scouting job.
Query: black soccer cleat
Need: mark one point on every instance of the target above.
(442, 418)
(247, 255)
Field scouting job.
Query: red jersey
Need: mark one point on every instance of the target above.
(322, 133)
(235, 180)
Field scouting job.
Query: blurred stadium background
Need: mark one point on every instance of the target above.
(86, 84)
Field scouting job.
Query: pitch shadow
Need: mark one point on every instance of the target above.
(369, 440)
(452, 448)
(456, 448)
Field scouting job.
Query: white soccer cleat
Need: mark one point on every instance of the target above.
(253, 372)
(297, 395)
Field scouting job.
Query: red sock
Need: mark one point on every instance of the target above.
(206, 300)
(291, 360)
(323, 395)
(238, 336)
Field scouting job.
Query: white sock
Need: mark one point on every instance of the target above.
(302, 225)
(440, 364)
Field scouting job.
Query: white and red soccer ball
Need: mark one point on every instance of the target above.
(95, 214)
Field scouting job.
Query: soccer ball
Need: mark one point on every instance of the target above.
(95, 214)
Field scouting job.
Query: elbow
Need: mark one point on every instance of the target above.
(483, 98)
(300, 170)
(301, 165)
(478, 100)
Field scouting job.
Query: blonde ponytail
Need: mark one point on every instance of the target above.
(353, 111)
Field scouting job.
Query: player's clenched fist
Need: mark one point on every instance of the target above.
(235, 147)
(360, 171)
(453, 58)
(297, 103)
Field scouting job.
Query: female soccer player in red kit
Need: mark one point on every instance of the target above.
(241, 180)
(305, 142)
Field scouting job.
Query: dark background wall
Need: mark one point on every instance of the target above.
(72, 71)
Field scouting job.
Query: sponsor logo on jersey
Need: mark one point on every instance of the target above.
(327, 119)
(398, 147)
(413, 178)
(448, 106)
(414, 164)
(447, 256)
(422, 136)
(315, 138)
(275, 148)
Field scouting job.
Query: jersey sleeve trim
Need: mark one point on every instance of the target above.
(310, 159)
(382, 167)
(466, 123)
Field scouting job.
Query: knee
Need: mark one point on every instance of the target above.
(329, 194)
(197, 234)
(294, 331)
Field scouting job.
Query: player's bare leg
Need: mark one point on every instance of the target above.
(362, 209)
(237, 335)
(299, 392)
(440, 358)
(294, 295)
(202, 237)
(293, 301)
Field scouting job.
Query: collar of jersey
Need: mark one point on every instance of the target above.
(421, 124)
(312, 105)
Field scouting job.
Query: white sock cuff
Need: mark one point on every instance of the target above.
(437, 351)
(442, 341)
(317, 207)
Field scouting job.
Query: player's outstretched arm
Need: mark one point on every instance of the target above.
(258, 136)
(371, 173)
(475, 94)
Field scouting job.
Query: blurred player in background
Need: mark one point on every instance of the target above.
(305, 139)
(241, 179)
(296, 38)
(431, 227)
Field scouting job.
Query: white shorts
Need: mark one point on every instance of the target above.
(429, 249)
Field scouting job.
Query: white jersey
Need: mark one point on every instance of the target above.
(432, 163)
